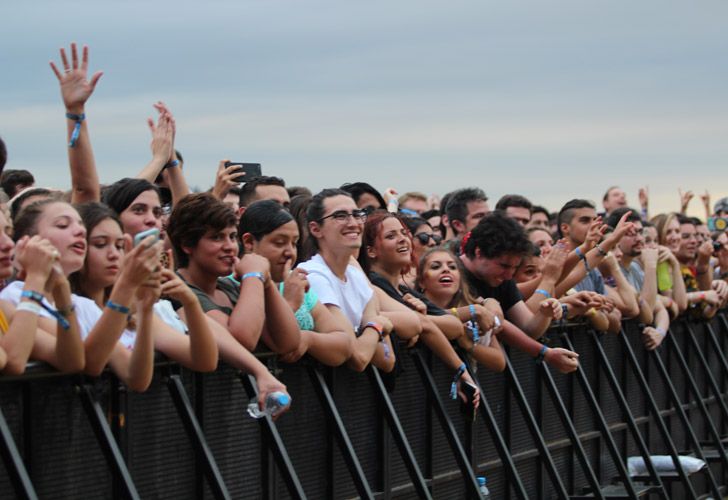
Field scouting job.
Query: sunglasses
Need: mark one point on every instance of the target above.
(424, 238)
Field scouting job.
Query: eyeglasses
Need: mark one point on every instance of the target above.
(425, 238)
(342, 216)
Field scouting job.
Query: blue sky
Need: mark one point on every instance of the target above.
(552, 100)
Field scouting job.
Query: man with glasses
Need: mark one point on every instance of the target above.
(335, 226)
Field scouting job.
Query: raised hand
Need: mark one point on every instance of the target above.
(595, 232)
(162, 133)
(684, 199)
(224, 179)
(36, 257)
(705, 198)
(76, 88)
(644, 196)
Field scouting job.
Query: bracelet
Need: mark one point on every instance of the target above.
(380, 330)
(661, 331)
(29, 307)
(171, 164)
(66, 311)
(454, 311)
(76, 128)
(542, 354)
(454, 386)
(117, 307)
(601, 251)
(565, 311)
(581, 255)
(543, 292)
(40, 300)
(474, 322)
(258, 275)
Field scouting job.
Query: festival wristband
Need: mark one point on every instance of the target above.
(543, 292)
(542, 354)
(473, 320)
(117, 307)
(76, 128)
(258, 275)
(456, 378)
(39, 299)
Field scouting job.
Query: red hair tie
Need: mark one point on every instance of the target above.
(464, 242)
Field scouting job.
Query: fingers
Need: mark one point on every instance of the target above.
(74, 55)
(95, 79)
(55, 70)
(64, 60)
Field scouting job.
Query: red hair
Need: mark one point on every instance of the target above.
(373, 232)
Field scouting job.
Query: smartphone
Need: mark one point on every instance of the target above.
(139, 237)
(251, 171)
(468, 409)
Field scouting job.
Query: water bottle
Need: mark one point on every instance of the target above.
(274, 403)
(484, 492)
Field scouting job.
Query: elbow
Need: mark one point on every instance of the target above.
(76, 365)
(209, 364)
(357, 363)
(138, 385)
(13, 366)
(94, 368)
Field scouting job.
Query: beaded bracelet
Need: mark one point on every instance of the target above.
(474, 322)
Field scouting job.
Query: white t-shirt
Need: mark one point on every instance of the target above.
(351, 295)
(88, 313)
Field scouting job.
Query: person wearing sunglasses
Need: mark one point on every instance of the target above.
(424, 237)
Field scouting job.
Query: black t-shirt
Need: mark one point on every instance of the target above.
(379, 281)
(507, 293)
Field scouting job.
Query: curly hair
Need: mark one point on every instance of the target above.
(496, 235)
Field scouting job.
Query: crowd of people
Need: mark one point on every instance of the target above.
(105, 275)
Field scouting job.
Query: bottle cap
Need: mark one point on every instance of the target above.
(481, 481)
(284, 399)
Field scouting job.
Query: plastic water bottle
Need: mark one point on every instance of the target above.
(274, 403)
(484, 492)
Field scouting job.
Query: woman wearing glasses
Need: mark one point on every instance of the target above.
(424, 237)
(335, 227)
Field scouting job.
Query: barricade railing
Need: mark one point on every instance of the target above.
(539, 434)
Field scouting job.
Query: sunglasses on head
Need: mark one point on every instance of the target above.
(425, 238)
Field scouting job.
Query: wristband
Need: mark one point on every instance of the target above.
(258, 275)
(29, 307)
(601, 251)
(661, 331)
(117, 307)
(171, 164)
(543, 292)
(542, 354)
(565, 311)
(66, 311)
(380, 330)
(40, 300)
(454, 386)
(581, 255)
(76, 128)
(473, 321)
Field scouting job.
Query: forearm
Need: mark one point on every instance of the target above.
(449, 325)
(281, 326)
(104, 336)
(152, 169)
(70, 356)
(547, 284)
(436, 341)
(405, 323)
(490, 356)
(332, 349)
(662, 318)
(537, 325)
(248, 316)
(528, 287)
(177, 184)
(574, 277)
(141, 362)
(649, 287)
(364, 348)
(679, 293)
(18, 341)
(516, 338)
(203, 347)
(704, 276)
(85, 185)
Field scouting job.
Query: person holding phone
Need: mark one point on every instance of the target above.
(100, 328)
(182, 335)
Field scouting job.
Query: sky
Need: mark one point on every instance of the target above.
(550, 99)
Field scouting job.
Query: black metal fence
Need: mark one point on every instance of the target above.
(539, 434)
